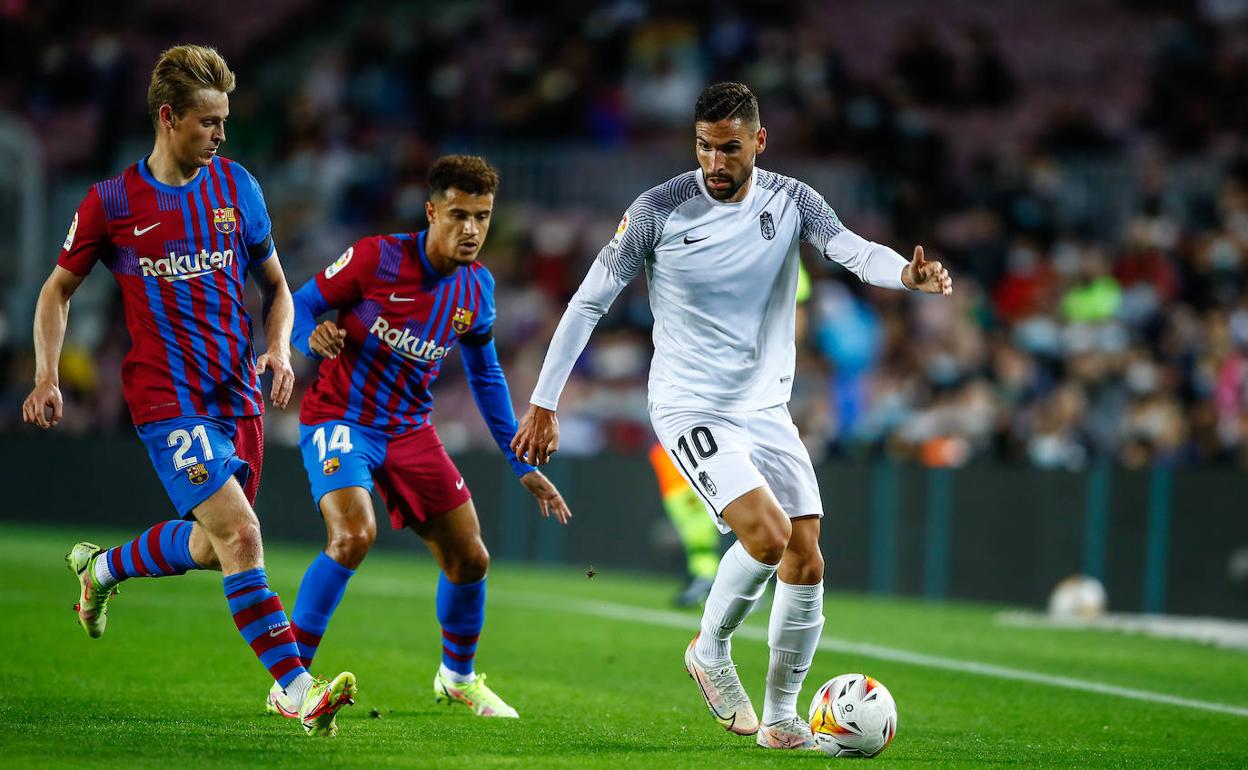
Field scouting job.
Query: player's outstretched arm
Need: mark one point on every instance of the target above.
(489, 389)
(44, 404)
(279, 313)
(538, 436)
(928, 277)
(547, 496)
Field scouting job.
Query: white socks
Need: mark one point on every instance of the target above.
(297, 690)
(103, 575)
(455, 676)
(792, 634)
(738, 585)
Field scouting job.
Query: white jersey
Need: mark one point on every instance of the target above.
(723, 283)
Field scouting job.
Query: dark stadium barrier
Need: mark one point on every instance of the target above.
(1159, 539)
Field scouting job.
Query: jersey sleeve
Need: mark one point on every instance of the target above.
(257, 227)
(87, 239)
(342, 283)
(483, 324)
(873, 263)
(636, 236)
(820, 224)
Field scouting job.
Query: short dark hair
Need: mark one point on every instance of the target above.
(726, 100)
(467, 173)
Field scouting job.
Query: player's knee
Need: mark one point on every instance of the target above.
(809, 569)
(242, 545)
(349, 545)
(468, 566)
(769, 539)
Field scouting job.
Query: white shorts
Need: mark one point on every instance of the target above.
(723, 456)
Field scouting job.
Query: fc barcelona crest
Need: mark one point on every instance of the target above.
(224, 220)
(331, 466)
(766, 225)
(197, 474)
(462, 321)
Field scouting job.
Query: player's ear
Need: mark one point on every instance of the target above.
(165, 114)
(429, 211)
(761, 139)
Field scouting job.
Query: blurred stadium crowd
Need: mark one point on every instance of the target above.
(1080, 166)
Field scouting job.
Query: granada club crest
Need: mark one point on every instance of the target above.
(462, 321)
(704, 479)
(766, 225)
(224, 220)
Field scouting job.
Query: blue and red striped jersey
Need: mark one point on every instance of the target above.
(180, 256)
(402, 319)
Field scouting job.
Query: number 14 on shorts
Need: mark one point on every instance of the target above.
(339, 440)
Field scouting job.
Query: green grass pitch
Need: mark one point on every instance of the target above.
(593, 666)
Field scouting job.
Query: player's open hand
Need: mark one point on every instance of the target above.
(278, 360)
(929, 277)
(45, 396)
(327, 339)
(547, 496)
(538, 436)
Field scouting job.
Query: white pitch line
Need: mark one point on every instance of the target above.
(687, 622)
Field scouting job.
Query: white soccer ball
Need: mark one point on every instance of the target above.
(1077, 597)
(853, 715)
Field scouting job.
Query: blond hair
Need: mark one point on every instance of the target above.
(179, 75)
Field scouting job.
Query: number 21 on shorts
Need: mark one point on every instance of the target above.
(184, 440)
(339, 440)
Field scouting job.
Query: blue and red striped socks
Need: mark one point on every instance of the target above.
(259, 616)
(461, 611)
(162, 550)
(320, 591)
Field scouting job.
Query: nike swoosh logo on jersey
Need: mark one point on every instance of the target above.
(695, 240)
(459, 484)
(396, 298)
(138, 232)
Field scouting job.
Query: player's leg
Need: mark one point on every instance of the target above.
(339, 458)
(351, 529)
(454, 539)
(234, 532)
(797, 608)
(192, 457)
(792, 635)
(713, 454)
(424, 491)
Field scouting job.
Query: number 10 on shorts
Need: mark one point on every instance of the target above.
(698, 440)
(339, 440)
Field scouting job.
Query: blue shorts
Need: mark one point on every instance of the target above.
(340, 454)
(412, 472)
(196, 456)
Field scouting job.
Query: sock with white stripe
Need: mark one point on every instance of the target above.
(792, 633)
(739, 582)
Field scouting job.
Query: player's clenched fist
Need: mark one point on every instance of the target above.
(327, 339)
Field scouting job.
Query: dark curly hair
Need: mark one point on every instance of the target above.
(467, 173)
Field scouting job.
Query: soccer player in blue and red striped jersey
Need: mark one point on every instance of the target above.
(404, 302)
(180, 230)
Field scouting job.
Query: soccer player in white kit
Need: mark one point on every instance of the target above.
(719, 247)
